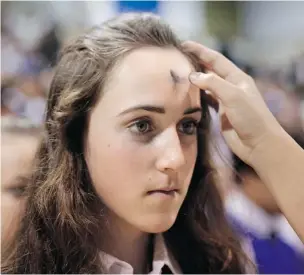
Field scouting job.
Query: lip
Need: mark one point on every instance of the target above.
(163, 195)
(165, 191)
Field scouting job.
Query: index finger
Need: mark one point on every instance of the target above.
(213, 60)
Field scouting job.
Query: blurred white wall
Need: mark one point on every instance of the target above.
(188, 20)
(99, 11)
(273, 32)
(185, 17)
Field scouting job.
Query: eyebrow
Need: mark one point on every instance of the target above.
(159, 109)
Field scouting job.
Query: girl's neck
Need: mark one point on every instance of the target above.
(129, 244)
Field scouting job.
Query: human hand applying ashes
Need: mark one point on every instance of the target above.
(252, 132)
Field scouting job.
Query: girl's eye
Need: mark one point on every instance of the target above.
(16, 191)
(141, 127)
(188, 127)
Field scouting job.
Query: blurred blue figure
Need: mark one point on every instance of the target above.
(138, 6)
(256, 218)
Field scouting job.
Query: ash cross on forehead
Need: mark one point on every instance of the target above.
(176, 78)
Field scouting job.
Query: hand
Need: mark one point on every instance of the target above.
(246, 122)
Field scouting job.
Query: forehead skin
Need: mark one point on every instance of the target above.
(145, 76)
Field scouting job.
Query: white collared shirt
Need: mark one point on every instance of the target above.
(250, 215)
(161, 257)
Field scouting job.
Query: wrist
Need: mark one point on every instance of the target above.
(272, 152)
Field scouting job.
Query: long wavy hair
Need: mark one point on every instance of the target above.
(63, 213)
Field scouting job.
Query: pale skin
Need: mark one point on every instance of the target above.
(253, 133)
(141, 138)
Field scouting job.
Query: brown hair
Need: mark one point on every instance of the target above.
(58, 232)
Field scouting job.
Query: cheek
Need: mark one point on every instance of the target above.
(11, 212)
(117, 164)
(190, 155)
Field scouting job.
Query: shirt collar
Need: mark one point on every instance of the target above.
(161, 257)
(249, 214)
(253, 217)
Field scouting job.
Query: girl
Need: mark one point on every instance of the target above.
(123, 180)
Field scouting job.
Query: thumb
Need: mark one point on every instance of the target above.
(223, 90)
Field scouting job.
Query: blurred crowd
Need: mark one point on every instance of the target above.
(26, 73)
(25, 77)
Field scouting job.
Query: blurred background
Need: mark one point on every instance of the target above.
(266, 39)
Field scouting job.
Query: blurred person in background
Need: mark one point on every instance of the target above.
(297, 70)
(26, 72)
(15, 60)
(300, 91)
(24, 97)
(251, 207)
(19, 143)
(256, 216)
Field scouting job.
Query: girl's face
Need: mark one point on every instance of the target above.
(141, 145)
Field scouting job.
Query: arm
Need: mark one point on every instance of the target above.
(252, 132)
(280, 164)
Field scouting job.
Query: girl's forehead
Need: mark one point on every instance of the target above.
(150, 76)
(149, 66)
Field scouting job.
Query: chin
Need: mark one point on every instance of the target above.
(158, 224)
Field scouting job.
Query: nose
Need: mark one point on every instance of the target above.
(171, 157)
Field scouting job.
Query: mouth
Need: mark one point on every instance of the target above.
(165, 192)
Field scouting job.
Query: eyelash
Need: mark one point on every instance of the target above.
(151, 128)
(19, 189)
(16, 191)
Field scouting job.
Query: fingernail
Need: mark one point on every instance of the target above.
(195, 76)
